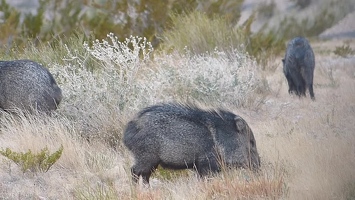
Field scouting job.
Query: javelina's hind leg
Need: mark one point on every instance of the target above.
(207, 165)
(144, 169)
(298, 83)
(291, 85)
(300, 88)
(145, 173)
(311, 93)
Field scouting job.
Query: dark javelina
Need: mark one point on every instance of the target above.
(184, 136)
(298, 66)
(28, 86)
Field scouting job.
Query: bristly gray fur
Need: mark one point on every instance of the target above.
(298, 66)
(28, 86)
(182, 136)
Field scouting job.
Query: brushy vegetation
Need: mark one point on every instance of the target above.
(34, 162)
(198, 33)
(149, 18)
(201, 26)
(344, 51)
(203, 58)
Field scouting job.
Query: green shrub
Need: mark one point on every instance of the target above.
(40, 162)
(344, 51)
(262, 45)
(302, 3)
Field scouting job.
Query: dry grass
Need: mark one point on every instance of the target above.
(306, 147)
(315, 140)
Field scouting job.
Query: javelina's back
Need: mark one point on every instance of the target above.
(298, 66)
(27, 85)
(183, 136)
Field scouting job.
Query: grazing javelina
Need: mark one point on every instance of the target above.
(27, 85)
(298, 66)
(182, 136)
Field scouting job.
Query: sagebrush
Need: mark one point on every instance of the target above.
(34, 162)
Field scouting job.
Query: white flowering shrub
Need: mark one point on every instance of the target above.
(99, 83)
(213, 78)
(121, 58)
(121, 64)
(110, 78)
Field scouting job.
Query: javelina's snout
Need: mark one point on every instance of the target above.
(184, 136)
(251, 158)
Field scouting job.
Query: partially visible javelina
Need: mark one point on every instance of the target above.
(298, 66)
(28, 86)
(184, 136)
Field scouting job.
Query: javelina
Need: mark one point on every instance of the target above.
(298, 67)
(184, 136)
(28, 86)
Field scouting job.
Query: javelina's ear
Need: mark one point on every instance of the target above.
(239, 122)
(283, 60)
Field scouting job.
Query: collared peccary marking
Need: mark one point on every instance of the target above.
(27, 85)
(298, 67)
(184, 136)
